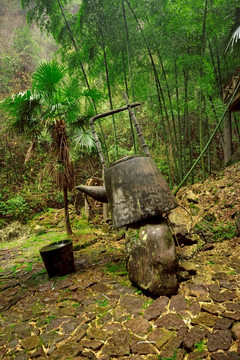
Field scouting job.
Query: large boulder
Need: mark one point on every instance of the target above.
(151, 259)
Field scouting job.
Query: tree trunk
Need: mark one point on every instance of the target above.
(128, 49)
(174, 142)
(67, 221)
(130, 120)
(227, 148)
(109, 94)
(202, 109)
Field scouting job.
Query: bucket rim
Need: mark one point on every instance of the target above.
(55, 245)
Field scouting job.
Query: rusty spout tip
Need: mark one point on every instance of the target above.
(96, 192)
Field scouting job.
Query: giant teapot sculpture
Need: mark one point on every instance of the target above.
(134, 187)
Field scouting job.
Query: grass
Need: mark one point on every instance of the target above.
(116, 269)
(232, 272)
(50, 318)
(201, 346)
(147, 303)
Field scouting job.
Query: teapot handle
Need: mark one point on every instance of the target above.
(111, 112)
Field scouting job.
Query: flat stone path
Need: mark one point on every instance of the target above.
(96, 313)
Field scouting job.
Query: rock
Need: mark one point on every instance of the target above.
(180, 225)
(230, 306)
(234, 158)
(30, 342)
(197, 290)
(223, 324)
(219, 356)
(219, 340)
(171, 348)
(188, 266)
(89, 354)
(70, 326)
(223, 296)
(92, 344)
(193, 336)
(196, 355)
(184, 276)
(142, 347)
(193, 306)
(178, 303)
(187, 251)
(204, 319)
(212, 308)
(39, 230)
(227, 284)
(156, 309)
(38, 353)
(151, 259)
(138, 326)
(160, 337)
(23, 330)
(191, 197)
(13, 231)
(118, 344)
(170, 321)
(132, 304)
(50, 337)
(207, 247)
(232, 355)
(96, 333)
(232, 315)
(194, 210)
(236, 330)
(120, 235)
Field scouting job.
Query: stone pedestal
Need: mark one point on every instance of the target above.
(151, 259)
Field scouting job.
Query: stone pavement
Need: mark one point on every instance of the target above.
(96, 313)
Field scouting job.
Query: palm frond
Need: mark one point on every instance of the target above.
(71, 90)
(93, 94)
(47, 76)
(84, 139)
(22, 110)
(234, 36)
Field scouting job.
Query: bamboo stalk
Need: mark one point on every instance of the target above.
(209, 140)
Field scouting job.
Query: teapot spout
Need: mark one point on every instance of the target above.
(96, 192)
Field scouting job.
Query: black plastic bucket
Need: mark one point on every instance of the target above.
(58, 258)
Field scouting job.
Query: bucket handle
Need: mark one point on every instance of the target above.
(111, 112)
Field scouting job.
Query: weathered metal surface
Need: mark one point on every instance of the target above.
(96, 192)
(136, 190)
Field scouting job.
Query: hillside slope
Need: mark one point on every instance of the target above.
(96, 313)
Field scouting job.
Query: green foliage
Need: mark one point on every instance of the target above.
(147, 303)
(201, 346)
(102, 303)
(224, 232)
(49, 318)
(16, 207)
(48, 76)
(116, 269)
(172, 64)
(220, 232)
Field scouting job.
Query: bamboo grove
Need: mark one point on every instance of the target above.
(172, 56)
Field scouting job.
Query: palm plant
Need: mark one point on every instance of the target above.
(234, 33)
(51, 105)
